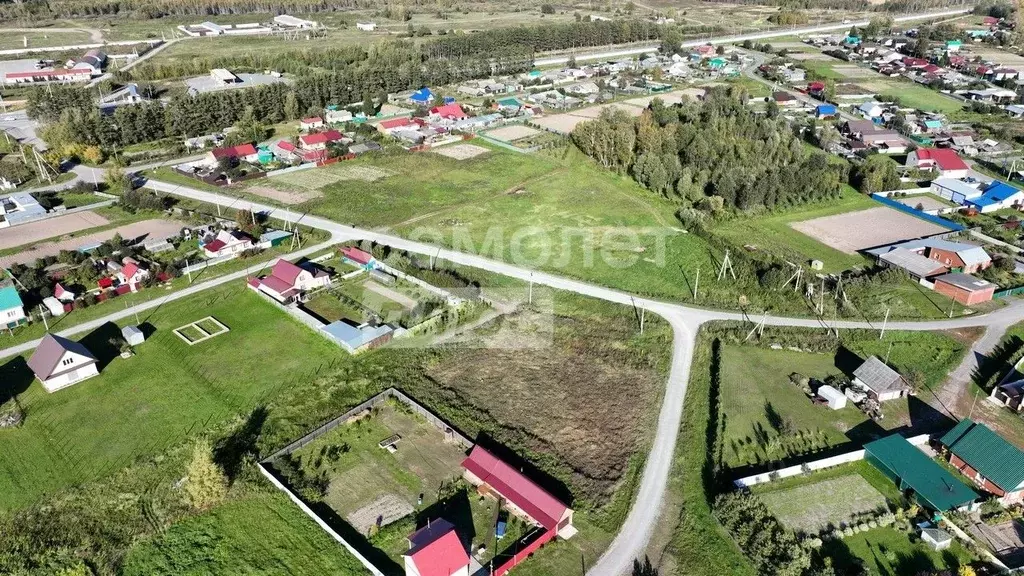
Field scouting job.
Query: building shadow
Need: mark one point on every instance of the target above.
(455, 509)
(104, 344)
(847, 360)
(552, 485)
(148, 329)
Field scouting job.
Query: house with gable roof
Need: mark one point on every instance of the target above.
(227, 243)
(436, 550)
(288, 282)
(944, 160)
(989, 460)
(59, 362)
(12, 309)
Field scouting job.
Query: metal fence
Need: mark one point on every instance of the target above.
(435, 420)
(907, 209)
(1008, 292)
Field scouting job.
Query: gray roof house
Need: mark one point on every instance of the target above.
(915, 264)
(880, 381)
(59, 362)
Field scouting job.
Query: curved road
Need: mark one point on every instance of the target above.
(632, 539)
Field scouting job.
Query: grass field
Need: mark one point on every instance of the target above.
(773, 232)
(889, 551)
(914, 95)
(823, 505)
(822, 69)
(81, 432)
(257, 533)
(760, 403)
(42, 38)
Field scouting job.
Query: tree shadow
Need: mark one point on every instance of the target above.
(232, 450)
(15, 378)
(104, 344)
(843, 560)
(643, 569)
(775, 420)
(996, 362)
(455, 509)
(915, 562)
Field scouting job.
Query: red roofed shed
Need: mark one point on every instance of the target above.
(449, 112)
(356, 255)
(240, 151)
(523, 495)
(945, 159)
(394, 123)
(320, 138)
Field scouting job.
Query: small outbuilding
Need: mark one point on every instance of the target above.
(133, 335)
(53, 306)
(937, 538)
(879, 380)
(836, 399)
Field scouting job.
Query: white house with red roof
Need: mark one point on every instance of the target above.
(287, 282)
(242, 152)
(63, 294)
(311, 123)
(944, 160)
(227, 243)
(62, 75)
(523, 497)
(357, 257)
(389, 126)
(450, 112)
(320, 140)
(436, 550)
(131, 272)
(285, 151)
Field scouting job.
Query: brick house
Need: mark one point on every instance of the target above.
(992, 463)
(964, 288)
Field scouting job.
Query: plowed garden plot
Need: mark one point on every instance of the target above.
(284, 196)
(50, 228)
(582, 400)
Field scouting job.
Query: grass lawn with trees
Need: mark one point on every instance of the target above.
(80, 433)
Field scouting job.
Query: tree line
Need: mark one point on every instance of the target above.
(717, 154)
(145, 9)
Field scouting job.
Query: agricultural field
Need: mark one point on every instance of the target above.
(79, 434)
(852, 232)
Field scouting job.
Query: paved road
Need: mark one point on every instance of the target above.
(156, 303)
(631, 542)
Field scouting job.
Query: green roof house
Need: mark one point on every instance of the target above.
(953, 45)
(992, 463)
(911, 469)
(716, 63)
(12, 310)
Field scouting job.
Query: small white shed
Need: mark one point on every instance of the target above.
(836, 400)
(54, 306)
(133, 335)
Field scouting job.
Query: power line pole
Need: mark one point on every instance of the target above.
(889, 351)
(884, 322)
(726, 264)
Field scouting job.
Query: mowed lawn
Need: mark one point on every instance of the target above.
(829, 503)
(916, 96)
(774, 233)
(137, 407)
(757, 395)
(259, 533)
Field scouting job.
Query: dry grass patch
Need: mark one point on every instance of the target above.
(461, 151)
(855, 231)
(284, 196)
(512, 133)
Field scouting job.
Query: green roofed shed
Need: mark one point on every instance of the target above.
(909, 467)
(987, 452)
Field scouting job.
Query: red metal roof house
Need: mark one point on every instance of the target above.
(287, 281)
(436, 550)
(945, 160)
(448, 112)
(357, 257)
(523, 496)
(319, 140)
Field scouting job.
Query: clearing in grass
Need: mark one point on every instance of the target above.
(855, 231)
(824, 505)
(461, 151)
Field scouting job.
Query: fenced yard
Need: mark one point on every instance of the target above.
(830, 503)
(855, 231)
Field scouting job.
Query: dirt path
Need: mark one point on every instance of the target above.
(956, 386)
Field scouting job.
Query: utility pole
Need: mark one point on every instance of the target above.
(530, 300)
(726, 264)
(821, 298)
(889, 351)
(46, 325)
(642, 311)
(952, 304)
(884, 322)
(759, 327)
(188, 271)
(973, 404)
(695, 284)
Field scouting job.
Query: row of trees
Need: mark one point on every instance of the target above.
(145, 9)
(773, 550)
(716, 149)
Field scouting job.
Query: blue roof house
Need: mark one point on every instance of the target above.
(825, 111)
(12, 309)
(421, 97)
(354, 337)
(997, 195)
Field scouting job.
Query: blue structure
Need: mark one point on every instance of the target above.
(825, 110)
(996, 196)
(353, 337)
(449, 100)
(423, 96)
(11, 306)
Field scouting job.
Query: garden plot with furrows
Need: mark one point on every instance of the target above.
(584, 400)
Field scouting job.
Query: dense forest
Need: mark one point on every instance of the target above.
(143, 9)
(718, 149)
(862, 5)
